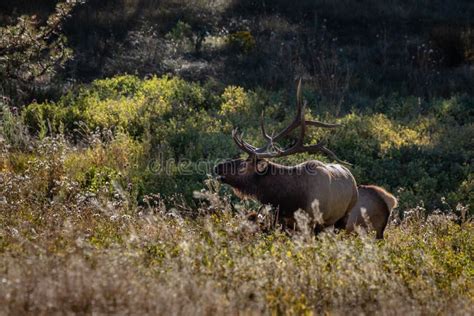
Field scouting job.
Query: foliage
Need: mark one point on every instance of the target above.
(349, 51)
(421, 151)
(13, 131)
(242, 41)
(32, 53)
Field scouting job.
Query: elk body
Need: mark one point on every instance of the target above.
(372, 210)
(328, 189)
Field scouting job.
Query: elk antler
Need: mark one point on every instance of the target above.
(272, 149)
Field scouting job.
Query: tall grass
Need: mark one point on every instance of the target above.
(64, 250)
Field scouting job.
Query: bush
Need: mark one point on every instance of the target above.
(242, 41)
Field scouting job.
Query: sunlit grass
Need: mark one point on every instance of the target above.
(94, 254)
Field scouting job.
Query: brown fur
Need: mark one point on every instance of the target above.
(378, 205)
(293, 187)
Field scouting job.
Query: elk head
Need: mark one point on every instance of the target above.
(242, 173)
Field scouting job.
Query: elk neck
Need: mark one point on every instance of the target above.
(279, 186)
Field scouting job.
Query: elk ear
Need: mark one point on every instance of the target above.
(262, 166)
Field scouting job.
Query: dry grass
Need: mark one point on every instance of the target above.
(65, 249)
(82, 253)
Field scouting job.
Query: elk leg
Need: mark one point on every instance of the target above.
(318, 228)
(341, 223)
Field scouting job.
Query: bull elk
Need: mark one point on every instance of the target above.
(330, 188)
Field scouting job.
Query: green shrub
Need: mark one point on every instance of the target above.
(13, 130)
(242, 41)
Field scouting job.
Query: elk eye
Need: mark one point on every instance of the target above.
(243, 166)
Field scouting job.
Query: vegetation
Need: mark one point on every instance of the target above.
(89, 253)
(348, 51)
(420, 150)
(32, 53)
(107, 200)
(92, 205)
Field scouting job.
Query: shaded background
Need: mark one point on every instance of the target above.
(348, 50)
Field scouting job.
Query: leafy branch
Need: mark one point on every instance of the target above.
(31, 53)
